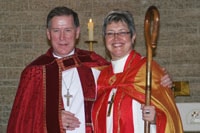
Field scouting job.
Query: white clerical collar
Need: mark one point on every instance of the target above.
(118, 65)
(71, 53)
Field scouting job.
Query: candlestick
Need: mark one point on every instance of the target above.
(91, 30)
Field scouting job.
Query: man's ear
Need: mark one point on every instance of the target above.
(78, 30)
(48, 34)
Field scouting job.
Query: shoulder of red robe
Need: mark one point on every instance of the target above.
(95, 61)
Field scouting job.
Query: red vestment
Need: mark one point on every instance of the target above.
(130, 84)
(38, 102)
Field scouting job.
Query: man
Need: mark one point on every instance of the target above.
(57, 90)
(119, 107)
(64, 71)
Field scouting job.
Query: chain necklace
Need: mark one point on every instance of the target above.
(68, 95)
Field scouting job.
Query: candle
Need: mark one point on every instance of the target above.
(91, 30)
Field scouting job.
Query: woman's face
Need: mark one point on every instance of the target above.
(118, 39)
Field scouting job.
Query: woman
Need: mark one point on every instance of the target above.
(119, 107)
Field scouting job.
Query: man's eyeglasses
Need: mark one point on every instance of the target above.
(113, 34)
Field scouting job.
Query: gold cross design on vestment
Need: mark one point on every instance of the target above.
(68, 96)
(110, 104)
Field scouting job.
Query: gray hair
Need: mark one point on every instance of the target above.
(62, 11)
(119, 15)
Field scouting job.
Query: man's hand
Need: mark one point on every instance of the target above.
(69, 121)
(166, 80)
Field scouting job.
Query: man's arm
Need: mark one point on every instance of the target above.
(166, 80)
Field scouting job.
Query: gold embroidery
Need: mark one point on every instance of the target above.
(112, 79)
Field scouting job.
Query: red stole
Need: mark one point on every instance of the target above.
(122, 109)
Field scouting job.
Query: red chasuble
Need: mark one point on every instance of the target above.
(130, 84)
(38, 102)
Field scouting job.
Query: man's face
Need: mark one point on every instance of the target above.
(62, 34)
(118, 39)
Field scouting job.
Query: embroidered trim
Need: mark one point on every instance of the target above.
(44, 99)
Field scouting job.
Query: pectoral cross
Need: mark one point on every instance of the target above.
(110, 104)
(68, 96)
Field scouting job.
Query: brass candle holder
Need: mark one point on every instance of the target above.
(90, 43)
